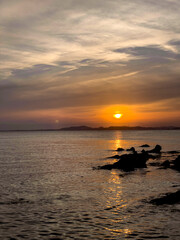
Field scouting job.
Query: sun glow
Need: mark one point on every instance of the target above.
(117, 115)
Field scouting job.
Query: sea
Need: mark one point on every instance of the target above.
(51, 188)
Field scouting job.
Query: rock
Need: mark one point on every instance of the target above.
(157, 149)
(173, 152)
(154, 164)
(169, 198)
(106, 167)
(150, 156)
(115, 156)
(120, 149)
(129, 162)
(165, 164)
(176, 163)
(132, 149)
(145, 145)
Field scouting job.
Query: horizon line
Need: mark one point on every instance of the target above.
(87, 128)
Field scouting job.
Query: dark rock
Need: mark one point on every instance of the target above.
(115, 156)
(145, 145)
(169, 198)
(155, 164)
(176, 163)
(173, 152)
(165, 164)
(150, 156)
(120, 149)
(106, 167)
(132, 149)
(157, 149)
(129, 162)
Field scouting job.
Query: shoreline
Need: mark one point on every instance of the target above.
(86, 128)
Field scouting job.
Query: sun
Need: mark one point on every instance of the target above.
(117, 115)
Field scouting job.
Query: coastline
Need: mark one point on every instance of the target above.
(86, 128)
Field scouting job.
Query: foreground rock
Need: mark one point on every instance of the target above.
(120, 149)
(165, 164)
(132, 149)
(176, 163)
(129, 162)
(169, 198)
(115, 156)
(145, 145)
(173, 152)
(157, 149)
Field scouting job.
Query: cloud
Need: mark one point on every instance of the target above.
(75, 53)
(132, 89)
(148, 52)
(75, 30)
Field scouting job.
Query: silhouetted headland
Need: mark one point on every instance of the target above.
(80, 128)
(86, 128)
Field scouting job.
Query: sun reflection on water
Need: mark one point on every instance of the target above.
(118, 144)
(124, 231)
(118, 141)
(114, 192)
(116, 204)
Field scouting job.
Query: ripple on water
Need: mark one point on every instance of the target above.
(43, 195)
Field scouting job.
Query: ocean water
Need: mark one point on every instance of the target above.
(48, 189)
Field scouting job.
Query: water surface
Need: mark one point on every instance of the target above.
(49, 190)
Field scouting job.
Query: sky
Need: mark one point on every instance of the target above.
(77, 62)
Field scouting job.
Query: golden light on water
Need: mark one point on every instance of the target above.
(117, 115)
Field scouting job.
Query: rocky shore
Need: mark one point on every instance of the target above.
(131, 161)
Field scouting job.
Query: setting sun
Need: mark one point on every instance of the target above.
(117, 115)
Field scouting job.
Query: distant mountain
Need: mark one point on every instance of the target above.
(75, 128)
(86, 128)
(81, 128)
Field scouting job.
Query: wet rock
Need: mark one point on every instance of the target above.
(129, 162)
(150, 156)
(169, 198)
(173, 152)
(165, 164)
(132, 149)
(176, 163)
(157, 149)
(120, 149)
(154, 164)
(106, 167)
(145, 145)
(115, 156)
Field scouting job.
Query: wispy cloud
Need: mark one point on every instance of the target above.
(71, 53)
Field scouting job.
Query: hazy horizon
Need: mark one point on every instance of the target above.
(78, 62)
(78, 127)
